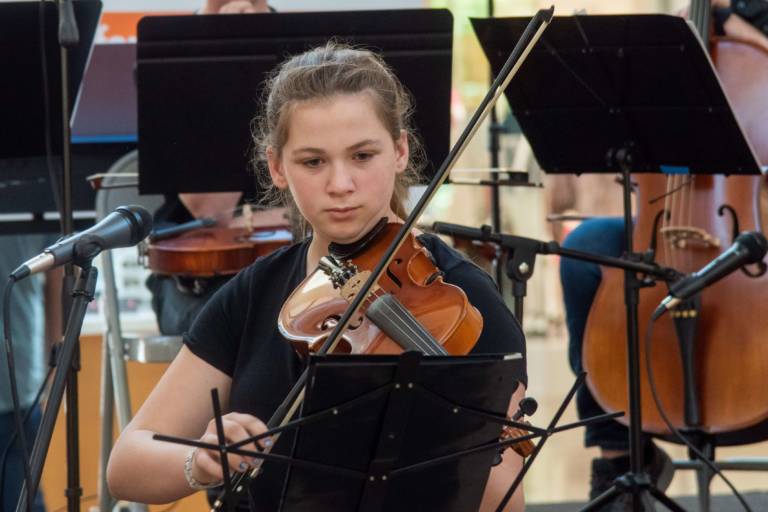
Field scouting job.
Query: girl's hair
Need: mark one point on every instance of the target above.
(324, 72)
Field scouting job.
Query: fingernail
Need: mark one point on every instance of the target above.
(243, 466)
(268, 442)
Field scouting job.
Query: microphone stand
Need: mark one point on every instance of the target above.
(83, 294)
(494, 147)
(68, 363)
(69, 37)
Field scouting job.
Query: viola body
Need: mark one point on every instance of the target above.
(212, 252)
(692, 225)
(313, 309)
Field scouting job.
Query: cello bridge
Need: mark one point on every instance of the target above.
(682, 237)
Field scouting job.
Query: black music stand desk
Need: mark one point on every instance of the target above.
(200, 80)
(599, 84)
(383, 433)
(24, 180)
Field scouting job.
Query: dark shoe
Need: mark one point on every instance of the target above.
(657, 464)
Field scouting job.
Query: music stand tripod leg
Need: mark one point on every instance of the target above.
(636, 481)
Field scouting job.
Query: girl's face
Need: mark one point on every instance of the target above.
(340, 164)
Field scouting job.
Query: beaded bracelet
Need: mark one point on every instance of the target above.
(191, 480)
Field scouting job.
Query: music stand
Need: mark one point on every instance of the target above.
(630, 93)
(200, 80)
(387, 437)
(26, 183)
(434, 421)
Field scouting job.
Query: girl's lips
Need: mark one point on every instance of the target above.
(342, 213)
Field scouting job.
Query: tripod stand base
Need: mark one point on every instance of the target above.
(637, 487)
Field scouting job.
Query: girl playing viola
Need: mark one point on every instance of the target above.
(335, 137)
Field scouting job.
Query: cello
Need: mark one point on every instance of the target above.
(711, 343)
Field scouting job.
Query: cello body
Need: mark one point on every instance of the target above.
(693, 219)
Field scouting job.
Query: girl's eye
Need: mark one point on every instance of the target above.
(363, 156)
(312, 162)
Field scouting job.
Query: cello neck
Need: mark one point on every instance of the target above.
(699, 13)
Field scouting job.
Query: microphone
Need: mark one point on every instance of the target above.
(749, 247)
(124, 227)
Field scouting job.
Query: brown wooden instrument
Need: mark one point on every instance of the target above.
(695, 220)
(412, 290)
(212, 252)
(522, 448)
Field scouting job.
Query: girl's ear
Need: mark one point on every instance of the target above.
(401, 152)
(276, 169)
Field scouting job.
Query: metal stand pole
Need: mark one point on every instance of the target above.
(82, 295)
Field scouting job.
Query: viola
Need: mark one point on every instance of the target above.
(412, 291)
(523, 448)
(213, 251)
(411, 297)
(695, 221)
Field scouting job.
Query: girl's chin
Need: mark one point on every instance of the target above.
(345, 236)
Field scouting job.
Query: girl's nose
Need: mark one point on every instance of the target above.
(340, 179)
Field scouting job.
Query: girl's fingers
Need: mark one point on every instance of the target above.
(235, 432)
(254, 426)
(237, 427)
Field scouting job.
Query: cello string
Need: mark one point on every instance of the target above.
(665, 221)
(689, 224)
(679, 244)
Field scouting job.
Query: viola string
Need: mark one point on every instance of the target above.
(426, 345)
(403, 318)
(406, 319)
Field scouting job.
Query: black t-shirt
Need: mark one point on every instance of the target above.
(237, 333)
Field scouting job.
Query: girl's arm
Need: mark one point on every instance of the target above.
(505, 473)
(148, 471)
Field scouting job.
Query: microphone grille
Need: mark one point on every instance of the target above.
(140, 219)
(755, 244)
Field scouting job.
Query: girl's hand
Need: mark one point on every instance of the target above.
(206, 466)
(234, 6)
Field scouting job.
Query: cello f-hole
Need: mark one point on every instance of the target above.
(734, 218)
(760, 268)
(654, 233)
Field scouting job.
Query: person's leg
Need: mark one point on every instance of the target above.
(13, 475)
(580, 281)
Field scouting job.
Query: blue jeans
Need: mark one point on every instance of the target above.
(580, 280)
(13, 477)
